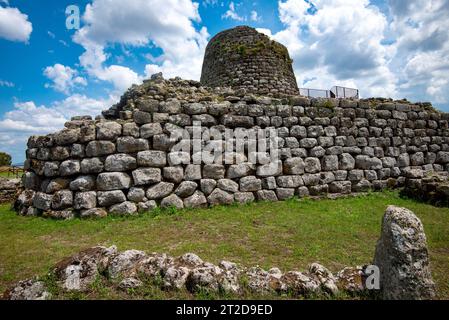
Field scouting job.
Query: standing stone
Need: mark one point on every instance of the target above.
(403, 258)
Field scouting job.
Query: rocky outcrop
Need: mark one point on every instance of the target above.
(403, 258)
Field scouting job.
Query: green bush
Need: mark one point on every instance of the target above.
(5, 159)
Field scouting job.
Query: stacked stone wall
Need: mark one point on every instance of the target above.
(326, 146)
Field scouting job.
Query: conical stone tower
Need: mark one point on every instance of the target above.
(245, 58)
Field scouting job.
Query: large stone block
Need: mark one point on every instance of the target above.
(144, 176)
(85, 200)
(160, 190)
(109, 198)
(110, 130)
(120, 162)
(100, 148)
(113, 181)
(131, 145)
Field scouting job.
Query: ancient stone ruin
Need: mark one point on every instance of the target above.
(242, 58)
(401, 255)
(143, 152)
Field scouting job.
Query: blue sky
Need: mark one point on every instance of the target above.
(48, 73)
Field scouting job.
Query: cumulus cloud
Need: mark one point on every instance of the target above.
(232, 13)
(419, 29)
(14, 25)
(167, 24)
(63, 78)
(337, 42)
(28, 119)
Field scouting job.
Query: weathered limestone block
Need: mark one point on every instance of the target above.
(250, 184)
(220, 197)
(228, 185)
(69, 168)
(240, 170)
(294, 166)
(83, 183)
(85, 200)
(113, 181)
(100, 148)
(208, 185)
(186, 189)
(160, 190)
(289, 181)
(193, 172)
(266, 195)
(92, 165)
(152, 158)
(124, 208)
(197, 200)
(402, 257)
(312, 165)
(42, 201)
(150, 130)
(66, 137)
(213, 171)
(136, 195)
(120, 162)
(62, 200)
(172, 201)
(145, 176)
(109, 198)
(131, 144)
(110, 130)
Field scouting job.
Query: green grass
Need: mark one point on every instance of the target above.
(289, 235)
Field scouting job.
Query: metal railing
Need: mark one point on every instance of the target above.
(335, 92)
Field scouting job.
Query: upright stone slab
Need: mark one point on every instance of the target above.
(403, 258)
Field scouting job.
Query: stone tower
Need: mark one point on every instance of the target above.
(244, 58)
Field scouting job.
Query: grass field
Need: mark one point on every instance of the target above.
(289, 235)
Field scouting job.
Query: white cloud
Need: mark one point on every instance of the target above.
(8, 84)
(14, 25)
(337, 43)
(232, 14)
(419, 29)
(28, 119)
(255, 16)
(167, 24)
(64, 78)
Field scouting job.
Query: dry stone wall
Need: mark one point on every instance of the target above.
(127, 165)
